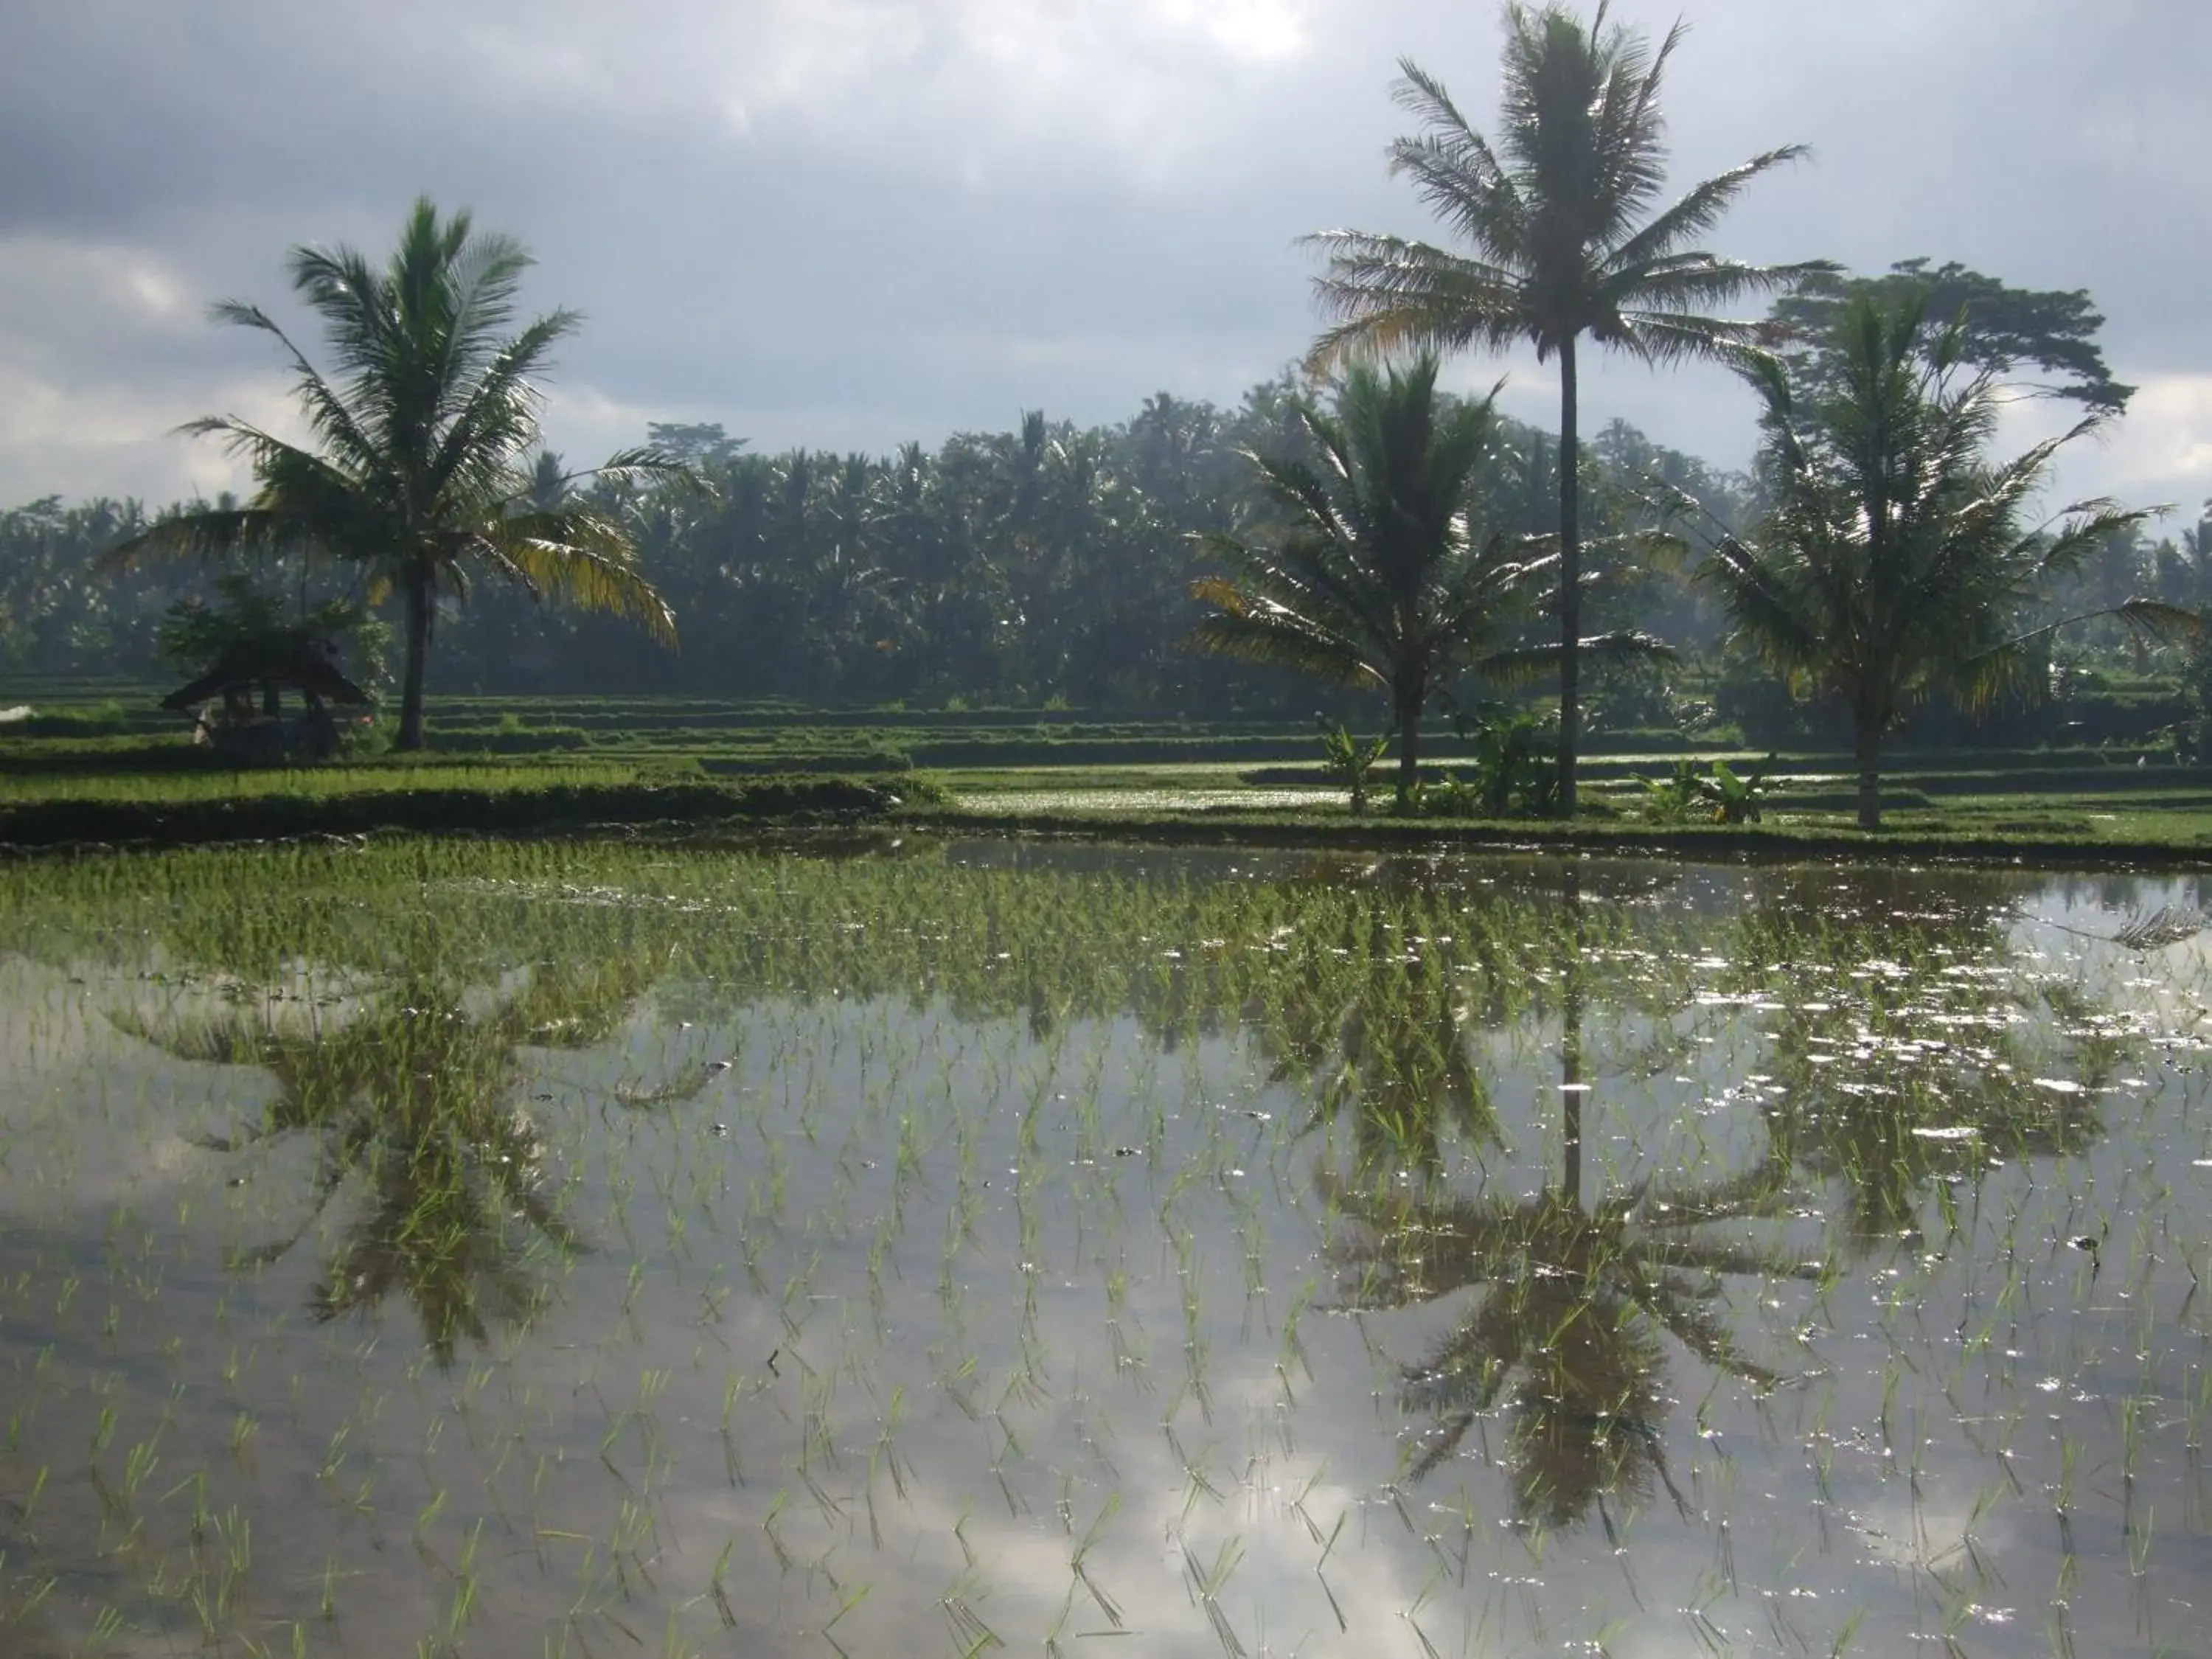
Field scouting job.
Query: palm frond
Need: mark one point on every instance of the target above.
(2153, 619)
(1524, 664)
(1661, 338)
(1260, 630)
(2082, 526)
(582, 557)
(1700, 209)
(494, 417)
(1391, 295)
(208, 533)
(331, 417)
(647, 464)
(1766, 604)
(1455, 170)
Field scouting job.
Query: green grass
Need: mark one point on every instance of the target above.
(523, 764)
(2046, 830)
(515, 802)
(324, 782)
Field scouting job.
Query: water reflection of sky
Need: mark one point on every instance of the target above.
(905, 1314)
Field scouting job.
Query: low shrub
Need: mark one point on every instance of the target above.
(1351, 761)
(429, 809)
(1717, 794)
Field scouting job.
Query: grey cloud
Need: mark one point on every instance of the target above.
(880, 230)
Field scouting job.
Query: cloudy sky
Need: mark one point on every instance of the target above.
(845, 223)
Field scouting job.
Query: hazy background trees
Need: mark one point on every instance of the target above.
(1049, 564)
(1045, 563)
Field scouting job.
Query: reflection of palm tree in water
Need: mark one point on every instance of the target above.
(1574, 1304)
(416, 1094)
(1384, 1033)
(1384, 1012)
(1903, 1043)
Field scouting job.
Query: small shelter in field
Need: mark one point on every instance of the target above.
(224, 698)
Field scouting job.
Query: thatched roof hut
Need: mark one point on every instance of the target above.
(251, 666)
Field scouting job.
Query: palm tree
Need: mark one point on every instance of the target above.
(1896, 555)
(420, 471)
(2197, 546)
(1559, 246)
(1367, 568)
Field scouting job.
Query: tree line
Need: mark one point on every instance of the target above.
(1047, 563)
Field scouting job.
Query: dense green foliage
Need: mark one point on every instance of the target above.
(1043, 566)
(417, 476)
(746, 574)
(1564, 238)
(2005, 329)
(1370, 567)
(1897, 553)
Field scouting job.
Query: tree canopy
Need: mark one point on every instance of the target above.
(417, 476)
(1897, 554)
(1564, 236)
(2003, 329)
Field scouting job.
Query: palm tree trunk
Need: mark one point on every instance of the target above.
(1409, 750)
(420, 613)
(1868, 748)
(1571, 575)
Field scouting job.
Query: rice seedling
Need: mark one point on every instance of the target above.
(382, 1193)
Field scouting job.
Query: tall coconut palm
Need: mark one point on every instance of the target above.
(1365, 566)
(419, 472)
(1561, 242)
(1897, 556)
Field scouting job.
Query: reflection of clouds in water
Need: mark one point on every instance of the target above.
(1022, 1583)
(65, 1066)
(1894, 1530)
(45, 1028)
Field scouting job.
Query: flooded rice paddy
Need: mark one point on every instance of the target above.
(880, 1247)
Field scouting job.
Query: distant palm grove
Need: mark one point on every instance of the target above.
(1049, 562)
(1057, 565)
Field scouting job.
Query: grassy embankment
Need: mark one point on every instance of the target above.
(116, 770)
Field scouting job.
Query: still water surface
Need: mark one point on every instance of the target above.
(912, 1248)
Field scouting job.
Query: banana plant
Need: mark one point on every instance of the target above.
(1351, 761)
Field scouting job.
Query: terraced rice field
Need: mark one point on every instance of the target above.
(892, 1244)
